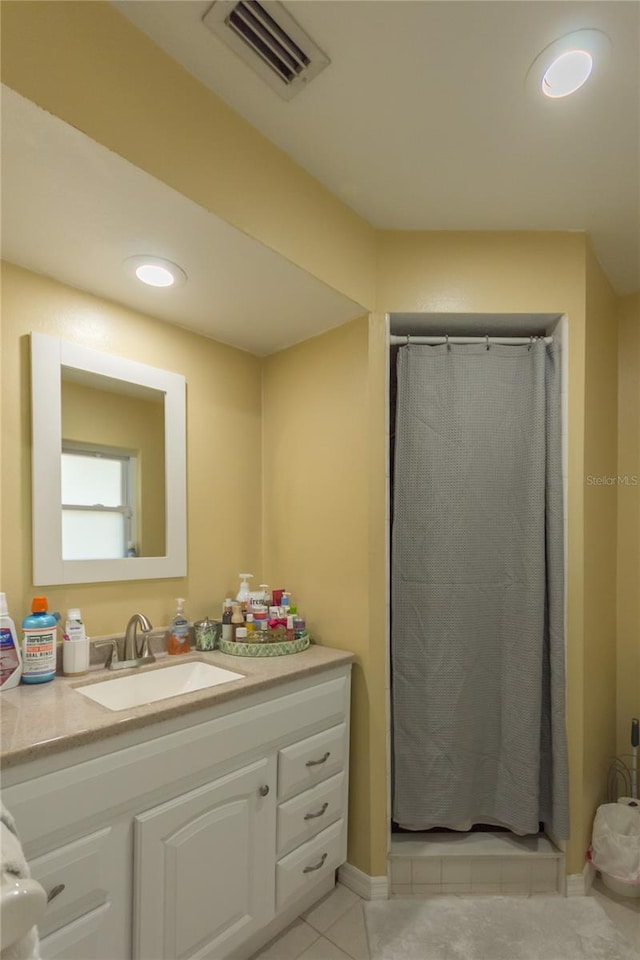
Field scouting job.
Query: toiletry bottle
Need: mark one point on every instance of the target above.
(285, 602)
(241, 635)
(74, 627)
(178, 632)
(75, 646)
(39, 632)
(244, 594)
(237, 619)
(250, 623)
(227, 628)
(10, 659)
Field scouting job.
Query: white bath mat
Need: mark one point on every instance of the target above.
(493, 928)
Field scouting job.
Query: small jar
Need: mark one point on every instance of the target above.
(205, 632)
(241, 635)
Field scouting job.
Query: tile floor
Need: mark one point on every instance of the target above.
(334, 928)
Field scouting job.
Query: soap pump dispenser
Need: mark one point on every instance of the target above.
(244, 594)
(178, 632)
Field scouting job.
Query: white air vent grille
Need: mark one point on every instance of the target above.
(267, 38)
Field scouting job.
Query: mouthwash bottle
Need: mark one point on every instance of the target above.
(39, 634)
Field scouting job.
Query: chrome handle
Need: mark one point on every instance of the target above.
(112, 656)
(314, 763)
(316, 866)
(312, 816)
(56, 891)
(144, 650)
(264, 790)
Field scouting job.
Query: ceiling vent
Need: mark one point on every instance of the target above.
(270, 41)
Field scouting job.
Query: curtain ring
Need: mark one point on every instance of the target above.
(487, 339)
(530, 343)
(408, 339)
(446, 336)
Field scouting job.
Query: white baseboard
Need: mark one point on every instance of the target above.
(579, 884)
(369, 888)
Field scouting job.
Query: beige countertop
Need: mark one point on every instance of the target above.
(41, 719)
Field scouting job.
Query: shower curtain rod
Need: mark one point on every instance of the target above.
(396, 340)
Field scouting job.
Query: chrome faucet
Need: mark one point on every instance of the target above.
(134, 652)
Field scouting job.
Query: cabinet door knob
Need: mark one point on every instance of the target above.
(316, 866)
(314, 763)
(56, 891)
(264, 790)
(323, 809)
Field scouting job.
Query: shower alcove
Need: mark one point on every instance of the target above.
(474, 858)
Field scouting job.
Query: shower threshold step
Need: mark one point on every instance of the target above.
(461, 864)
(486, 844)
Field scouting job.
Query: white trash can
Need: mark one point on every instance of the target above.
(615, 847)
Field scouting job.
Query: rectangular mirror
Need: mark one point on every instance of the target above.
(109, 467)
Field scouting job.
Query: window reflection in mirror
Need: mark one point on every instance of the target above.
(113, 477)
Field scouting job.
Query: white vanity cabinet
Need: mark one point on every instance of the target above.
(195, 837)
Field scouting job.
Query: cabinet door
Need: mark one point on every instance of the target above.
(204, 867)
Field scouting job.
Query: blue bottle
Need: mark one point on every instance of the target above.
(39, 636)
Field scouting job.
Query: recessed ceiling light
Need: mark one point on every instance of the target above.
(155, 271)
(567, 73)
(566, 64)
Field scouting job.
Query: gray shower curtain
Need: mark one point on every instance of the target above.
(477, 589)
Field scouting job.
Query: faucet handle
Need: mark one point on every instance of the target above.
(145, 652)
(112, 656)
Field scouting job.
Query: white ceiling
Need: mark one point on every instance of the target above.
(423, 120)
(73, 210)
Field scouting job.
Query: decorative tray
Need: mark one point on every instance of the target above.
(277, 649)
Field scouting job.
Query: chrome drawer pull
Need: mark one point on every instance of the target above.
(56, 891)
(312, 816)
(314, 763)
(316, 866)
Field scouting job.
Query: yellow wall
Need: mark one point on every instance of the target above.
(628, 317)
(600, 461)
(324, 448)
(127, 424)
(223, 451)
(316, 515)
(88, 65)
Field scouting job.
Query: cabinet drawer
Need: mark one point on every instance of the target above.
(310, 863)
(304, 816)
(306, 763)
(74, 876)
(78, 940)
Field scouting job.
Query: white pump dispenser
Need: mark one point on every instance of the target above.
(244, 594)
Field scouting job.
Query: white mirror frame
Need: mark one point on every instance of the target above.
(48, 356)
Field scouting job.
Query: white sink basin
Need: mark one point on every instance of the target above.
(121, 693)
